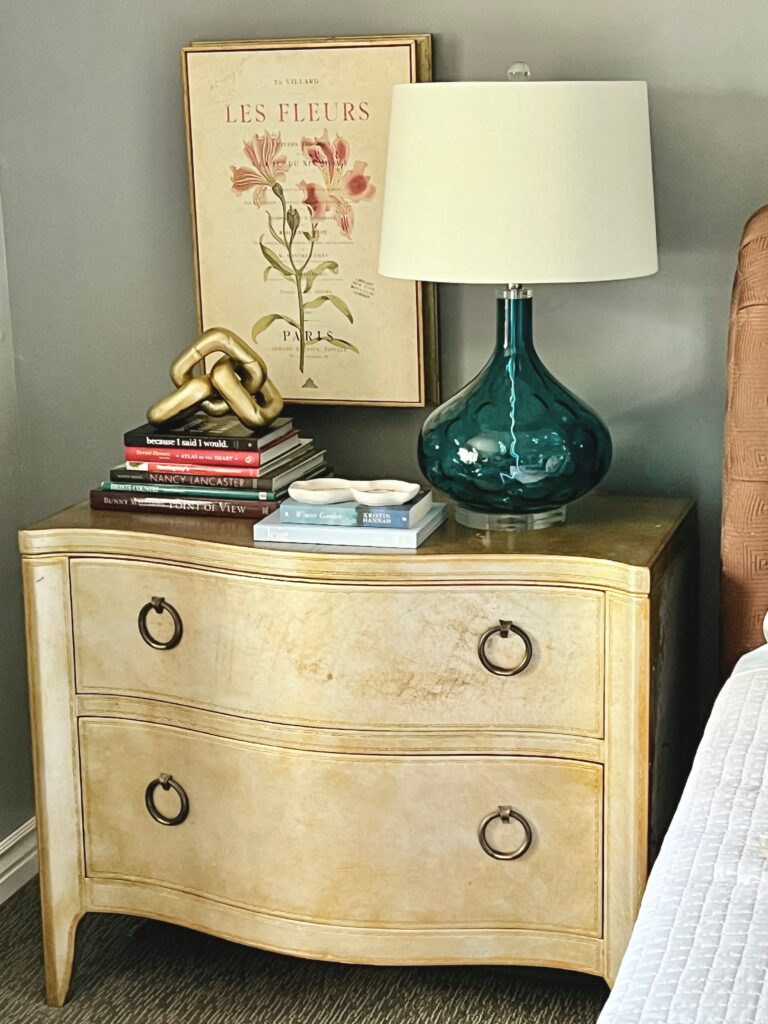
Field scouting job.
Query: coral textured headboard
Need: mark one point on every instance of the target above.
(744, 582)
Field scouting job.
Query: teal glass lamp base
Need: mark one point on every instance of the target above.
(509, 520)
(514, 446)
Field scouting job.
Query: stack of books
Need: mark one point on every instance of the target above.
(350, 524)
(210, 466)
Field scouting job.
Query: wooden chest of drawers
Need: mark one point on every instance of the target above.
(333, 753)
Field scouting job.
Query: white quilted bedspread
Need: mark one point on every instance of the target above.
(699, 950)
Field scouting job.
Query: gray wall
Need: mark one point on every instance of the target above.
(15, 775)
(92, 168)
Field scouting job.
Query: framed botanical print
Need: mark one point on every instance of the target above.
(287, 143)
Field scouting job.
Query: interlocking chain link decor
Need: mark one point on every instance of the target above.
(238, 382)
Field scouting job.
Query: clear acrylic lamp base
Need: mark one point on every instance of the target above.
(509, 520)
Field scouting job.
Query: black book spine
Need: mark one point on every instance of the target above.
(190, 443)
(141, 438)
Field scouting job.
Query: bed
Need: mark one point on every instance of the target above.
(744, 580)
(699, 950)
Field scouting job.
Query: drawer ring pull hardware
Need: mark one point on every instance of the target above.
(505, 814)
(160, 605)
(166, 782)
(503, 629)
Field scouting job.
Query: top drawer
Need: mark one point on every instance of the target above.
(340, 655)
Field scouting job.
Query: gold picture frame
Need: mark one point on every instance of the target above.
(286, 144)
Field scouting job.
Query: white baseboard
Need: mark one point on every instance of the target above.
(18, 859)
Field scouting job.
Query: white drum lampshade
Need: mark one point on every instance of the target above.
(519, 182)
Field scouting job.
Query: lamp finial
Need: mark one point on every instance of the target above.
(519, 71)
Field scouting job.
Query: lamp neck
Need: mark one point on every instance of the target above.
(514, 325)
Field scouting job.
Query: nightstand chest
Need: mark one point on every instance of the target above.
(434, 757)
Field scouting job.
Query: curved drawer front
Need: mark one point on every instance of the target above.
(317, 654)
(346, 839)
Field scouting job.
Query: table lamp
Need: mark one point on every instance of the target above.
(517, 183)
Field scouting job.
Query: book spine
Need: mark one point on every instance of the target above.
(183, 490)
(391, 518)
(326, 515)
(320, 516)
(224, 444)
(292, 533)
(183, 442)
(248, 485)
(196, 457)
(103, 500)
(193, 469)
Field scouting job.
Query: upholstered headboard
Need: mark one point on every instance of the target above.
(744, 582)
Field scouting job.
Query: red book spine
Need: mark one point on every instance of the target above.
(246, 472)
(194, 457)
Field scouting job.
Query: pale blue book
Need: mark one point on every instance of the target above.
(273, 530)
(350, 513)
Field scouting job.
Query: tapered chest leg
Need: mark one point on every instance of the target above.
(59, 932)
(57, 776)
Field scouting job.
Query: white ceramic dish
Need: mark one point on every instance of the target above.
(330, 490)
(383, 492)
(322, 490)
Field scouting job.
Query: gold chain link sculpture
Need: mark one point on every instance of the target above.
(238, 382)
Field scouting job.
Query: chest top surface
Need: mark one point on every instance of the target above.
(608, 540)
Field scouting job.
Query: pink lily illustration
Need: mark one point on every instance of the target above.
(268, 166)
(340, 188)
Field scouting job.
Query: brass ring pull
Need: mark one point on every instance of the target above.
(504, 628)
(167, 782)
(160, 605)
(505, 814)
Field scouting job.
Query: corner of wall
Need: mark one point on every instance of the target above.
(16, 801)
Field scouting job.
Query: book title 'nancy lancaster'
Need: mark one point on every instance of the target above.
(308, 112)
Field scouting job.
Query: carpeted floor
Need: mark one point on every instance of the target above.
(132, 971)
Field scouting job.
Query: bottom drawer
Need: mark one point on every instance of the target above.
(343, 838)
